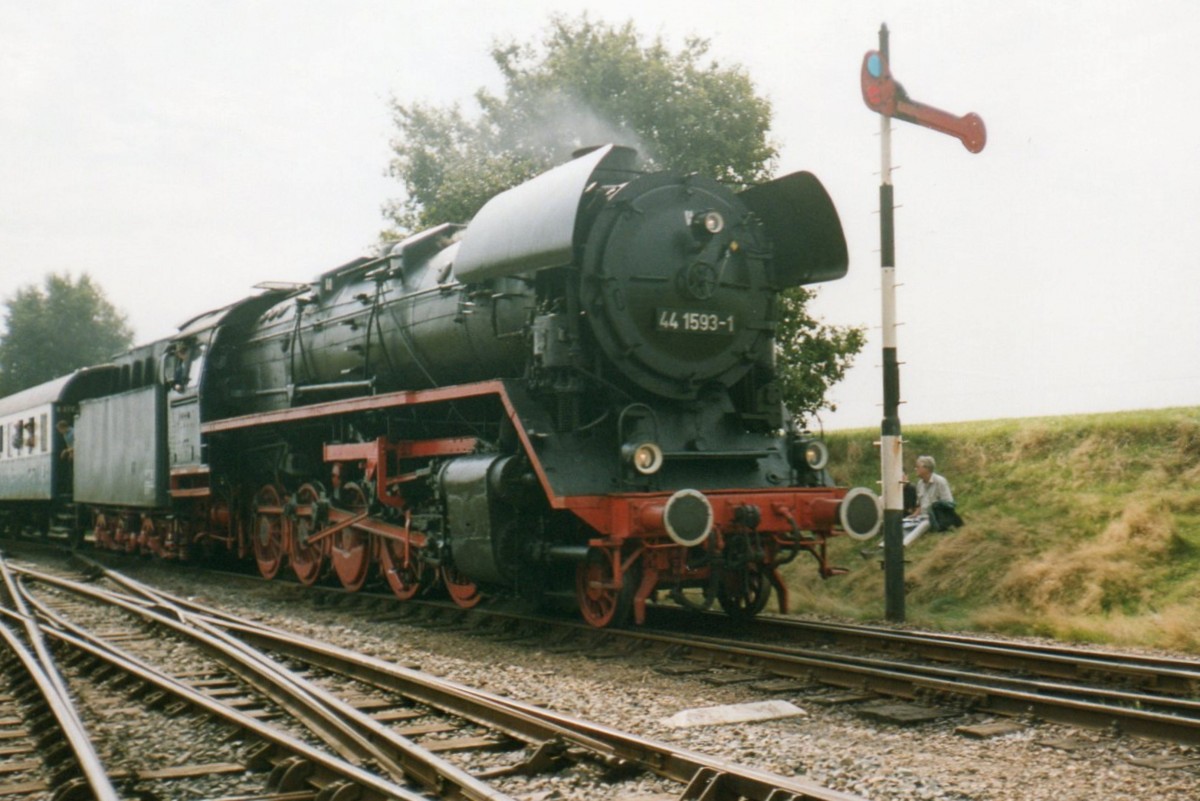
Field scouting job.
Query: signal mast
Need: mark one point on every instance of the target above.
(885, 96)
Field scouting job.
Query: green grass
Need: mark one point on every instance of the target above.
(1080, 528)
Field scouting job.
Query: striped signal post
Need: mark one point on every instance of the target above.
(884, 95)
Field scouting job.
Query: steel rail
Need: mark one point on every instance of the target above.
(78, 637)
(736, 781)
(706, 777)
(350, 732)
(40, 665)
(403, 757)
(69, 724)
(1178, 719)
(254, 671)
(1168, 675)
(911, 682)
(1165, 674)
(1185, 708)
(1176, 675)
(1001, 695)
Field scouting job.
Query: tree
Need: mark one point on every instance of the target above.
(812, 356)
(56, 328)
(590, 83)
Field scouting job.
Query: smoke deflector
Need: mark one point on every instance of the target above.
(803, 225)
(531, 226)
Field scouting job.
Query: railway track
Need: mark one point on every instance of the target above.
(40, 702)
(1159, 674)
(1145, 696)
(380, 730)
(812, 664)
(114, 664)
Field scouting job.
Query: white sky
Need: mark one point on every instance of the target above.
(181, 152)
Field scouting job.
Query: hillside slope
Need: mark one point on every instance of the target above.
(1078, 528)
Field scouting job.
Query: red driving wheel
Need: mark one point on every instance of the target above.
(601, 602)
(403, 568)
(463, 591)
(268, 530)
(351, 548)
(307, 559)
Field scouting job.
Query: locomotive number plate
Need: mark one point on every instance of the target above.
(694, 322)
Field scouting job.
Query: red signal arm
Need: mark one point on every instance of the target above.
(884, 95)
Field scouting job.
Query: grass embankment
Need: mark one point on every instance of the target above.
(1078, 528)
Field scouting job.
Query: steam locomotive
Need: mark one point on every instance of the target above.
(572, 396)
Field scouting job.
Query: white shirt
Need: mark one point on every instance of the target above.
(937, 488)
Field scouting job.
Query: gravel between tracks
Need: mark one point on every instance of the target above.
(830, 745)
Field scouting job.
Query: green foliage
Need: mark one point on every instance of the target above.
(56, 328)
(590, 83)
(1083, 527)
(813, 356)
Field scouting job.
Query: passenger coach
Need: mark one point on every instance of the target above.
(36, 468)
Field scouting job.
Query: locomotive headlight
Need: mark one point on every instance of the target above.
(709, 222)
(645, 457)
(816, 454)
(812, 454)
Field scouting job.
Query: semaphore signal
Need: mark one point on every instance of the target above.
(884, 95)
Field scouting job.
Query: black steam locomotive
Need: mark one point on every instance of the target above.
(574, 395)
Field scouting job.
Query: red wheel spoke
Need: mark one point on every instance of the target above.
(308, 560)
(351, 549)
(601, 602)
(268, 531)
(463, 591)
(744, 593)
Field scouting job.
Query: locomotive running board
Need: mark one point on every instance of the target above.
(613, 514)
(482, 389)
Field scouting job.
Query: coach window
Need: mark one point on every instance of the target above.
(45, 439)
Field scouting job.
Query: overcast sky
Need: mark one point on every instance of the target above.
(180, 152)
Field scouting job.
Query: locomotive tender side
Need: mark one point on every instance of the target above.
(574, 394)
